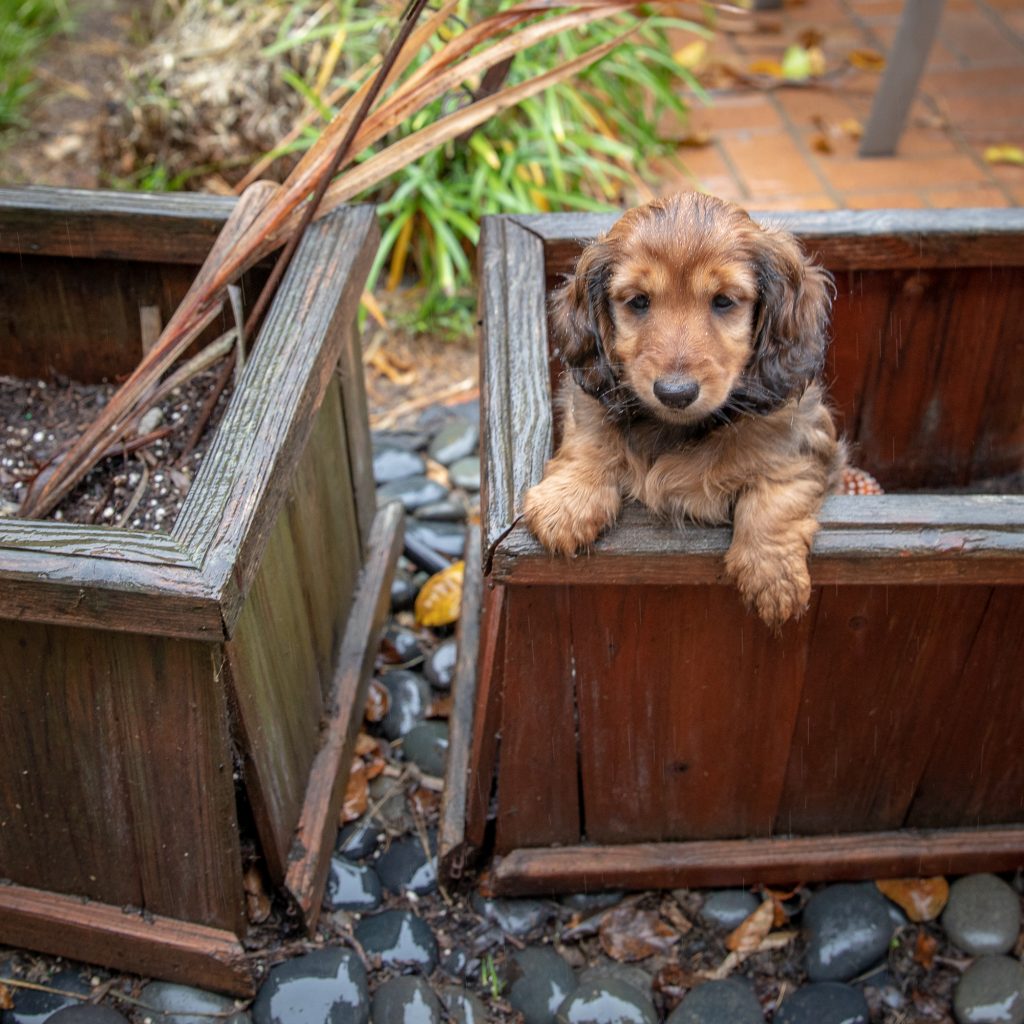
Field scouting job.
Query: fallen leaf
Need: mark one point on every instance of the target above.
(749, 934)
(357, 792)
(440, 598)
(778, 900)
(438, 473)
(1004, 155)
(384, 363)
(628, 934)
(852, 127)
(866, 60)
(810, 37)
(440, 707)
(725, 968)
(921, 899)
(777, 940)
(766, 66)
(372, 306)
(820, 143)
(800, 63)
(257, 902)
(695, 140)
(366, 745)
(671, 911)
(924, 949)
(378, 700)
(692, 54)
(424, 801)
(673, 981)
(6, 999)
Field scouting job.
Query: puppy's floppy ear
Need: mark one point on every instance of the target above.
(582, 322)
(791, 319)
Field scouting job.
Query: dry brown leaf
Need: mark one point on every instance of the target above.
(372, 306)
(424, 801)
(441, 707)
(6, 999)
(810, 37)
(777, 940)
(628, 934)
(695, 140)
(820, 143)
(725, 968)
(357, 792)
(366, 745)
(924, 949)
(378, 700)
(673, 981)
(673, 913)
(440, 599)
(257, 902)
(438, 473)
(778, 899)
(921, 899)
(866, 60)
(385, 365)
(748, 936)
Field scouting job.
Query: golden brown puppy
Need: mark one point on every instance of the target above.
(695, 339)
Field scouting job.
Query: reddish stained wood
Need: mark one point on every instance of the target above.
(483, 751)
(744, 862)
(883, 666)
(975, 772)
(660, 675)
(150, 945)
(315, 834)
(538, 792)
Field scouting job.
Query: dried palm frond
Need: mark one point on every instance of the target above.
(269, 215)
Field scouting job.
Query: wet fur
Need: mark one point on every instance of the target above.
(758, 446)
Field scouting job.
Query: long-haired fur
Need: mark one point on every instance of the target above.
(694, 340)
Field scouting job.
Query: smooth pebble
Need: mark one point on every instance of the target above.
(406, 1000)
(990, 991)
(824, 1002)
(848, 930)
(327, 986)
(982, 915)
(729, 1001)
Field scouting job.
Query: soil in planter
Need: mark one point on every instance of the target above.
(140, 490)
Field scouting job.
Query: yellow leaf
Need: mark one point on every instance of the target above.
(766, 66)
(440, 598)
(1005, 155)
(921, 898)
(749, 935)
(866, 60)
(692, 54)
(851, 127)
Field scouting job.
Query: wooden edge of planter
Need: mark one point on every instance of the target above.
(740, 862)
(149, 945)
(143, 226)
(453, 851)
(515, 394)
(315, 834)
(950, 539)
(233, 504)
(842, 239)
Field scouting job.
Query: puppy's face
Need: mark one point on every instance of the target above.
(692, 307)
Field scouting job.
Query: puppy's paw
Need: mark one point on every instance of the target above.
(777, 587)
(566, 517)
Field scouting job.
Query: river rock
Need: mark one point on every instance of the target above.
(85, 1013)
(447, 511)
(352, 886)
(447, 539)
(426, 745)
(412, 491)
(728, 908)
(327, 986)
(982, 915)
(607, 1002)
(514, 917)
(359, 839)
(465, 473)
(33, 1007)
(403, 591)
(463, 1007)
(409, 697)
(440, 665)
(991, 991)
(455, 440)
(730, 1001)
(398, 937)
(591, 902)
(824, 1002)
(848, 930)
(410, 440)
(184, 1005)
(392, 462)
(406, 1000)
(630, 974)
(405, 867)
(540, 981)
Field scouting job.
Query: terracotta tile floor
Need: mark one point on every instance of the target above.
(789, 146)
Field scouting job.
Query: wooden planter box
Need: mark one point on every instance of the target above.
(161, 694)
(652, 733)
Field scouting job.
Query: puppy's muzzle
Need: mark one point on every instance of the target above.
(676, 392)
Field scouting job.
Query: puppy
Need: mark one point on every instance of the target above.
(694, 340)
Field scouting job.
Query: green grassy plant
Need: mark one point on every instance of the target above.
(24, 26)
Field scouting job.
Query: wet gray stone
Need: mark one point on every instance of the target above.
(463, 1007)
(405, 867)
(629, 974)
(824, 1002)
(514, 917)
(403, 591)
(183, 1005)
(426, 745)
(465, 473)
(402, 645)
(392, 811)
(84, 1013)
(439, 667)
(411, 491)
(398, 937)
(406, 1000)
(359, 839)
(445, 538)
(848, 930)
(591, 902)
(352, 886)
(32, 1007)
(728, 908)
(447, 511)
(327, 986)
(392, 462)
(991, 991)
(982, 915)
(607, 1002)
(540, 981)
(410, 697)
(730, 1001)
(410, 440)
(455, 440)
(456, 963)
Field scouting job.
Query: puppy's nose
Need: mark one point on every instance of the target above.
(676, 392)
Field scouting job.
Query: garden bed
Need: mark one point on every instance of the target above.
(683, 743)
(187, 685)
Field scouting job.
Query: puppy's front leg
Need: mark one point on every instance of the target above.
(773, 526)
(580, 494)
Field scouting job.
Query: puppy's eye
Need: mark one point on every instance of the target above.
(640, 303)
(722, 302)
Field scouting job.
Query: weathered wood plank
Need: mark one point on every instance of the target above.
(538, 795)
(83, 223)
(316, 832)
(769, 861)
(452, 848)
(150, 945)
(357, 432)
